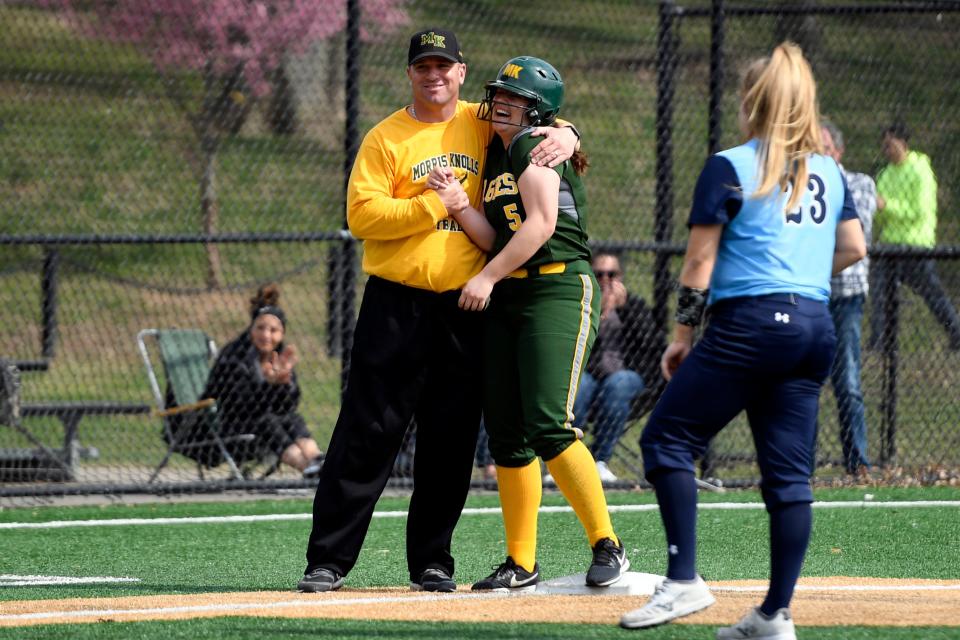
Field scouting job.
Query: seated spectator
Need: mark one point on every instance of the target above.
(623, 363)
(255, 386)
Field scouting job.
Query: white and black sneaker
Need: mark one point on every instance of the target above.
(671, 600)
(756, 626)
(606, 476)
(509, 576)
(609, 564)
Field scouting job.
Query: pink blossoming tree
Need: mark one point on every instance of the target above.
(237, 47)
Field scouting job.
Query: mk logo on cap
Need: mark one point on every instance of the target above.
(434, 42)
(433, 39)
(512, 70)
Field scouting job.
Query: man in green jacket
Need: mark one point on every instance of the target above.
(907, 216)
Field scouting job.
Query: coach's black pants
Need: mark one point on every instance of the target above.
(415, 354)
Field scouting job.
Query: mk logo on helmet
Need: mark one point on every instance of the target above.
(434, 39)
(512, 70)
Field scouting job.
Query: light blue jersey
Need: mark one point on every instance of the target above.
(764, 250)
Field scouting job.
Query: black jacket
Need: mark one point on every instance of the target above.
(639, 343)
(243, 396)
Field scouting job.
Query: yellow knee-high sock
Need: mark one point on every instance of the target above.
(575, 473)
(520, 493)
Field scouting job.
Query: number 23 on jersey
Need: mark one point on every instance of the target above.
(816, 209)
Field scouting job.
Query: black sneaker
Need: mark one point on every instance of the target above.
(312, 472)
(509, 576)
(610, 562)
(434, 579)
(320, 579)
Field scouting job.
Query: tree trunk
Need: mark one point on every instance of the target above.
(233, 106)
(282, 110)
(209, 138)
(210, 209)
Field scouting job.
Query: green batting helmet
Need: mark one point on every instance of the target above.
(531, 78)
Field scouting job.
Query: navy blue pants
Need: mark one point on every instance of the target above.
(768, 356)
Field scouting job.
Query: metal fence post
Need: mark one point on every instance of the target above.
(717, 28)
(333, 308)
(345, 293)
(889, 343)
(714, 115)
(663, 223)
(48, 304)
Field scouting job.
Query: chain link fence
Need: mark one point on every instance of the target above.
(155, 173)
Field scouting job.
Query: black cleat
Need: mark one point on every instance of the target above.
(319, 580)
(434, 579)
(509, 576)
(610, 562)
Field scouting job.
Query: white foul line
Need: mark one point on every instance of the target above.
(230, 608)
(246, 606)
(848, 587)
(625, 508)
(7, 580)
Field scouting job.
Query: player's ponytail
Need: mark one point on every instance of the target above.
(780, 108)
(580, 162)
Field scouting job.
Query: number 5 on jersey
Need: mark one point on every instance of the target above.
(513, 218)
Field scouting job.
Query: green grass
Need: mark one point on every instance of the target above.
(183, 509)
(276, 628)
(189, 558)
(267, 628)
(196, 558)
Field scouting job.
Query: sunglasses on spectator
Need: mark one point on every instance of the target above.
(607, 274)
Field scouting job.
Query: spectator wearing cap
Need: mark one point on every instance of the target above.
(415, 356)
(255, 386)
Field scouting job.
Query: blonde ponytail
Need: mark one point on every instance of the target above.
(780, 110)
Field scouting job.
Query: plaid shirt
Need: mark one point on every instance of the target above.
(853, 280)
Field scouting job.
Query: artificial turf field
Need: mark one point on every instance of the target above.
(885, 537)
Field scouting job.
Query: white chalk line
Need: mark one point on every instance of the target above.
(848, 587)
(626, 508)
(231, 608)
(8, 580)
(246, 606)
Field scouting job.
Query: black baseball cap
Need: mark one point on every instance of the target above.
(434, 42)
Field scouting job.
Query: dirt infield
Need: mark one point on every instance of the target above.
(818, 602)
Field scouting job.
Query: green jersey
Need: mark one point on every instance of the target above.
(504, 208)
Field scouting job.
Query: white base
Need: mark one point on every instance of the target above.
(633, 583)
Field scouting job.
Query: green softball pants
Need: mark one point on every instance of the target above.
(539, 334)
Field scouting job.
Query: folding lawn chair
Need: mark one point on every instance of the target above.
(190, 423)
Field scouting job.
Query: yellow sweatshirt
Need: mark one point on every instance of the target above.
(407, 236)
